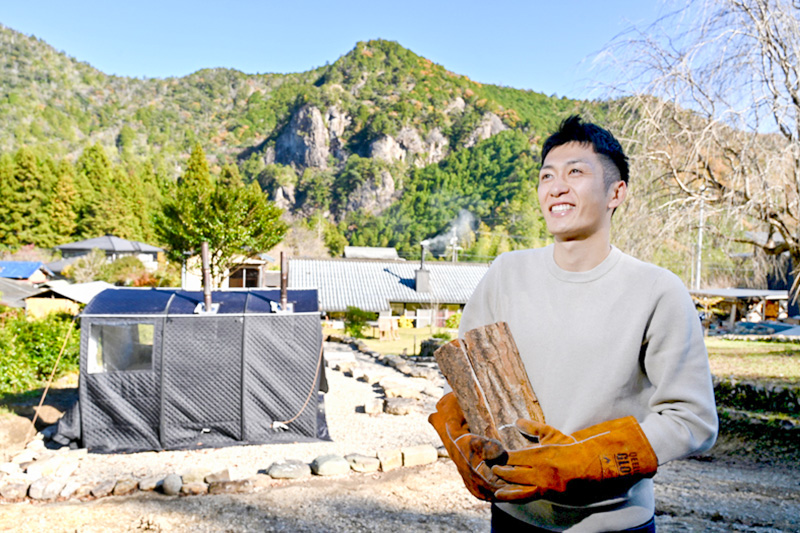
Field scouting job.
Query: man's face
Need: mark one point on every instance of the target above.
(573, 195)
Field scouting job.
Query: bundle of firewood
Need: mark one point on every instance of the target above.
(487, 376)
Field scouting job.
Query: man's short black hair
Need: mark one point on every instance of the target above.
(601, 140)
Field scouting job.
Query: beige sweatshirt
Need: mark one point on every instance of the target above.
(621, 339)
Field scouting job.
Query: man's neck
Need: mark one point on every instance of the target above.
(581, 255)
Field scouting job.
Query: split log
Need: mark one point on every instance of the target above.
(489, 380)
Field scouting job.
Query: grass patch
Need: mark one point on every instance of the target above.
(777, 362)
(408, 341)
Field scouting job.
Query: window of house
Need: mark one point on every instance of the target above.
(120, 347)
(243, 276)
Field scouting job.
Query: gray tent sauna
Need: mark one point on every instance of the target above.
(155, 374)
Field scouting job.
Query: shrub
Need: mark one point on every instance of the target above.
(354, 321)
(453, 321)
(29, 349)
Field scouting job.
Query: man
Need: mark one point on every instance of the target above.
(614, 351)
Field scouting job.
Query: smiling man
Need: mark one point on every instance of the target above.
(612, 346)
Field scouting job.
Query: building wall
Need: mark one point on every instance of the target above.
(41, 307)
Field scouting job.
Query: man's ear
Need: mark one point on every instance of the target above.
(616, 194)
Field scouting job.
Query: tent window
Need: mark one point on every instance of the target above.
(120, 347)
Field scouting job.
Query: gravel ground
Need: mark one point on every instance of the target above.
(717, 492)
(351, 431)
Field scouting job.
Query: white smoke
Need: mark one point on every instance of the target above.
(460, 228)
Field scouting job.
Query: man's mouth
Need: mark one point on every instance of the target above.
(561, 208)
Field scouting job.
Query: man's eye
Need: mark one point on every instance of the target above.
(575, 171)
(544, 177)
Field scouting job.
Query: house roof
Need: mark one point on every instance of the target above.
(20, 269)
(13, 293)
(372, 285)
(737, 293)
(57, 267)
(78, 292)
(110, 243)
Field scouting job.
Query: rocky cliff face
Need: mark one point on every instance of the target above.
(304, 141)
(490, 125)
(337, 124)
(374, 195)
(409, 146)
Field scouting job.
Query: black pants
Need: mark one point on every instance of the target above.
(502, 522)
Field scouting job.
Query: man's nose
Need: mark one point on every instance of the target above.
(558, 186)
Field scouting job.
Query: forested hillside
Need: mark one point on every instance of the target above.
(380, 147)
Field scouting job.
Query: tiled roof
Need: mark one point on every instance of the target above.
(19, 269)
(372, 285)
(110, 243)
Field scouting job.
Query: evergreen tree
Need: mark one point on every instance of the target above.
(230, 177)
(63, 217)
(6, 196)
(25, 217)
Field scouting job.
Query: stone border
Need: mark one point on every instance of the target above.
(40, 474)
(46, 476)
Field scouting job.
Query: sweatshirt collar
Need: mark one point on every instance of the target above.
(582, 277)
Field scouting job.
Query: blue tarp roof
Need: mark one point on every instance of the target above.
(132, 302)
(19, 269)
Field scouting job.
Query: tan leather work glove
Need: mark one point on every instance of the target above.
(469, 452)
(593, 464)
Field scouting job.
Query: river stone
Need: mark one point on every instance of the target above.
(69, 489)
(45, 488)
(10, 468)
(35, 445)
(150, 483)
(195, 475)
(330, 465)
(222, 475)
(67, 468)
(103, 488)
(362, 463)
(194, 488)
(171, 485)
(82, 492)
(403, 392)
(390, 459)
(400, 406)
(374, 406)
(424, 454)
(288, 469)
(25, 456)
(14, 491)
(44, 467)
(230, 487)
(125, 486)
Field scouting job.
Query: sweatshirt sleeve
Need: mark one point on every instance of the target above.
(683, 416)
(480, 309)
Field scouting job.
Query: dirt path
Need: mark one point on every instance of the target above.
(749, 482)
(691, 495)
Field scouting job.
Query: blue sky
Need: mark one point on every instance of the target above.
(545, 46)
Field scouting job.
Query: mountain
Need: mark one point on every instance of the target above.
(379, 135)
